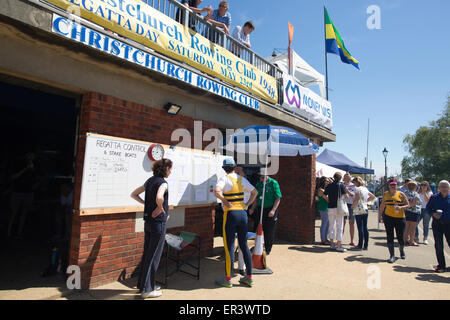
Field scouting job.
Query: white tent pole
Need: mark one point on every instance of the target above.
(264, 186)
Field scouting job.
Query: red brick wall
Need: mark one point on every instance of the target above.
(105, 246)
(296, 217)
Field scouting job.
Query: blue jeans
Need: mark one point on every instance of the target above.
(426, 223)
(324, 225)
(155, 236)
(363, 232)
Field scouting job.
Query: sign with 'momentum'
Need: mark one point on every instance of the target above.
(306, 103)
(142, 23)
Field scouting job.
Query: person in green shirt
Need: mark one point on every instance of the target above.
(272, 200)
(322, 207)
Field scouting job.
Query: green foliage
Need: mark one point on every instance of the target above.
(429, 150)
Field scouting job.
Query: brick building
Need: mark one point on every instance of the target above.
(56, 89)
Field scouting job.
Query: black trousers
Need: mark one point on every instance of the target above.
(269, 226)
(439, 231)
(397, 224)
(155, 233)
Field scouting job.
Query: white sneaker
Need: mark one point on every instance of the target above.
(341, 249)
(425, 241)
(153, 294)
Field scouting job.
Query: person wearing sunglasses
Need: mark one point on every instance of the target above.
(439, 208)
(220, 18)
(425, 194)
(393, 208)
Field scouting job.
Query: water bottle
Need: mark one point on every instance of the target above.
(55, 257)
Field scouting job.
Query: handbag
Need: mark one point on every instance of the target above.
(342, 209)
(359, 209)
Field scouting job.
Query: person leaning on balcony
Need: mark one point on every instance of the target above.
(220, 18)
(194, 6)
(242, 34)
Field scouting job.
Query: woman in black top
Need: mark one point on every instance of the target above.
(156, 207)
(335, 221)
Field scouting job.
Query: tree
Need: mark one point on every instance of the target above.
(429, 150)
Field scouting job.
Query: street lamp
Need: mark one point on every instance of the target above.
(385, 153)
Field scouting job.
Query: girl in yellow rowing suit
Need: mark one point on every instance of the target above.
(230, 190)
(392, 207)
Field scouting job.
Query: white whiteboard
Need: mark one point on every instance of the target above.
(115, 167)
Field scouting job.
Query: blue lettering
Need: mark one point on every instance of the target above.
(127, 50)
(215, 87)
(148, 61)
(94, 39)
(237, 67)
(84, 5)
(106, 44)
(99, 12)
(129, 11)
(188, 76)
(75, 32)
(57, 22)
(135, 54)
(139, 29)
(115, 50)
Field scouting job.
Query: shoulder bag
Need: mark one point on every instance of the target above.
(342, 209)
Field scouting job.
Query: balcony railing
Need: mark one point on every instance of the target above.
(187, 17)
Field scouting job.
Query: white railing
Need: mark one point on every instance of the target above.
(187, 17)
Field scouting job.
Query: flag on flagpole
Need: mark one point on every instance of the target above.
(335, 43)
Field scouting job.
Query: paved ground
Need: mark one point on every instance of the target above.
(300, 272)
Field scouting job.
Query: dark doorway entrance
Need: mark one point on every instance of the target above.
(38, 131)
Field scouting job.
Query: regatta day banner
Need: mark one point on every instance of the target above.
(138, 21)
(306, 103)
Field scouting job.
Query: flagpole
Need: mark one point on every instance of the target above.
(326, 57)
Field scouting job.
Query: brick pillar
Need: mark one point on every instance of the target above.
(296, 220)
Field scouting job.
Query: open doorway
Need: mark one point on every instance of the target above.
(38, 130)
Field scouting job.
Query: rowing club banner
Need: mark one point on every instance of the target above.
(306, 103)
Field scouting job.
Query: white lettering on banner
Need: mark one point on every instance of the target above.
(94, 39)
(306, 103)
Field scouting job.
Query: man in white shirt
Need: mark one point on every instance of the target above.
(243, 33)
(230, 190)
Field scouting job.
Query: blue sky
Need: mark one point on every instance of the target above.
(405, 66)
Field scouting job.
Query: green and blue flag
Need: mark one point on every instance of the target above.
(335, 44)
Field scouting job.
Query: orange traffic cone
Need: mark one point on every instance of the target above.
(257, 256)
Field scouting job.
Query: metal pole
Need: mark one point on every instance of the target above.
(264, 186)
(326, 59)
